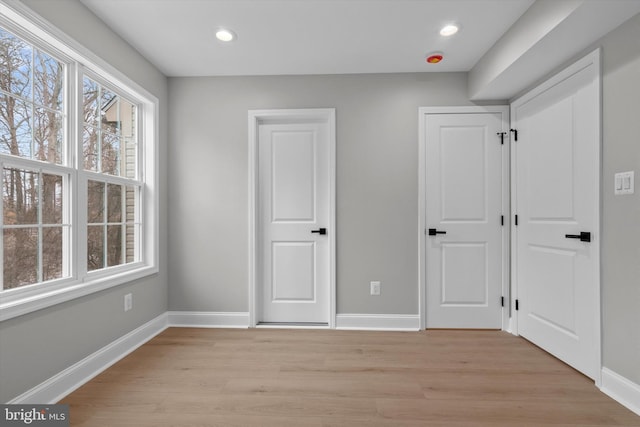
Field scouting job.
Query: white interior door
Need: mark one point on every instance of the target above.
(294, 217)
(556, 195)
(466, 178)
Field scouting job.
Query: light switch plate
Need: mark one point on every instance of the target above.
(623, 183)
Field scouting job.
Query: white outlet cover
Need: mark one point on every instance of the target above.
(128, 302)
(624, 183)
(375, 288)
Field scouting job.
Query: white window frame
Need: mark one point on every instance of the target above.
(23, 22)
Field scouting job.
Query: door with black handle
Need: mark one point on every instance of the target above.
(464, 164)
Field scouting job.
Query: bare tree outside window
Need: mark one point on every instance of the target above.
(31, 112)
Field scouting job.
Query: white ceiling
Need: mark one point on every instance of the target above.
(284, 37)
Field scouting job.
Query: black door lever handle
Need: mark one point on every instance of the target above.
(433, 232)
(320, 231)
(584, 236)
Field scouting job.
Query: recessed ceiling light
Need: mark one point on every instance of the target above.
(225, 35)
(449, 30)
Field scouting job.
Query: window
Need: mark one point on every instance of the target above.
(33, 229)
(31, 128)
(111, 229)
(77, 155)
(109, 148)
(32, 84)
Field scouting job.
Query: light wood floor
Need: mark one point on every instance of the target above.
(269, 377)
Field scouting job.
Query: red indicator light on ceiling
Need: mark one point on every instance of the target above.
(435, 58)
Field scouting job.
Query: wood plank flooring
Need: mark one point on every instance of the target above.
(279, 377)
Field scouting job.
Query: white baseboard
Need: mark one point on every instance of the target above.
(378, 322)
(65, 382)
(620, 389)
(206, 319)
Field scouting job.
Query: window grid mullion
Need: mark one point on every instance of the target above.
(99, 133)
(40, 266)
(105, 219)
(32, 123)
(123, 227)
(81, 229)
(69, 181)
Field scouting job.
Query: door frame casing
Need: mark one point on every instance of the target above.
(423, 112)
(593, 58)
(255, 119)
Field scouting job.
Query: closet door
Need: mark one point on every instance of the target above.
(556, 200)
(465, 204)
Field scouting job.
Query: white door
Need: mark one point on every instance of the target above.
(294, 217)
(556, 195)
(466, 178)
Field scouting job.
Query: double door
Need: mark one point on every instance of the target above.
(553, 214)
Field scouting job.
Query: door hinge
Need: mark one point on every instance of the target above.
(517, 305)
(501, 135)
(515, 134)
(501, 301)
(516, 220)
(502, 220)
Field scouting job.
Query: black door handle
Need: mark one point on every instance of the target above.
(433, 232)
(584, 236)
(320, 231)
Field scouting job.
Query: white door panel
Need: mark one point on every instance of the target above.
(293, 202)
(293, 284)
(463, 195)
(550, 268)
(468, 286)
(464, 199)
(556, 193)
(293, 157)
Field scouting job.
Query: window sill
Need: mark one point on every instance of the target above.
(17, 305)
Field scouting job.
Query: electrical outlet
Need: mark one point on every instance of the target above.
(375, 288)
(128, 302)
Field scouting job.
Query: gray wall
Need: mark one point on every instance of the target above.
(41, 344)
(377, 182)
(621, 214)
